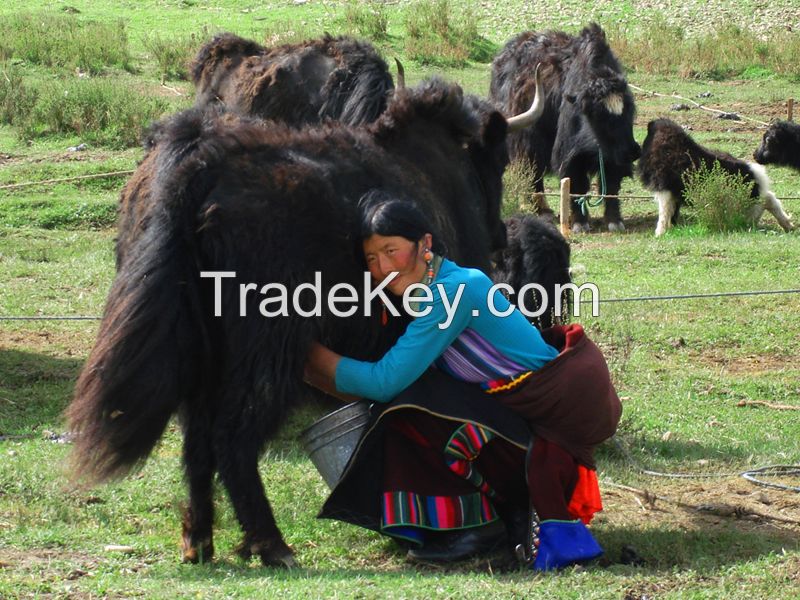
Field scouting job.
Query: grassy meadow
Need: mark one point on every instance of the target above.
(95, 73)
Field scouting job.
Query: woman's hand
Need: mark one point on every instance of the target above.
(320, 371)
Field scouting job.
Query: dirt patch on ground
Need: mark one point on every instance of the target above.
(696, 119)
(77, 156)
(696, 505)
(58, 343)
(35, 559)
(56, 567)
(61, 568)
(750, 364)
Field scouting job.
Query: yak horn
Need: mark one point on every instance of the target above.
(530, 116)
(401, 74)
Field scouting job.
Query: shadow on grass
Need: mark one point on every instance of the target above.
(629, 550)
(695, 541)
(642, 450)
(34, 390)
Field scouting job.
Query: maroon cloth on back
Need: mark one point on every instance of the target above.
(571, 400)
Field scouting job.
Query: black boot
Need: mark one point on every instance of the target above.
(461, 544)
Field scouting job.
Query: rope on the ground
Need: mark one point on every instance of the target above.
(13, 186)
(774, 470)
(748, 475)
(697, 104)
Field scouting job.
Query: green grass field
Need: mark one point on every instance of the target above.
(682, 366)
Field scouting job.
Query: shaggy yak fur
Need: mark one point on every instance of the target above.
(536, 253)
(227, 193)
(330, 78)
(780, 145)
(589, 108)
(668, 152)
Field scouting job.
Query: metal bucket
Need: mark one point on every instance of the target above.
(331, 440)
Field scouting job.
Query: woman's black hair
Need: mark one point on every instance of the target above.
(388, 215)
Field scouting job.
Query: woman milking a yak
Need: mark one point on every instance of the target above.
(482, 429)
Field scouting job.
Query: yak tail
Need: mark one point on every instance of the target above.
(148, 357)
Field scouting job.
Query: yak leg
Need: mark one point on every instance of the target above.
(237, 448)
(579, 184)
(666, 209)
(768, 199)
(773, 205)
(198, 458)
(611, 214)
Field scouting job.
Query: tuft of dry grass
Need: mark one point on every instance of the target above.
(663, 49)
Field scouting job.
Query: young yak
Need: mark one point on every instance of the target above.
(668, 152)
(780, 145)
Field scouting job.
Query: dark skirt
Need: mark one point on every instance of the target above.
(405, 448)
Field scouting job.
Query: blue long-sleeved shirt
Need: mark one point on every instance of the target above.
(424, 341)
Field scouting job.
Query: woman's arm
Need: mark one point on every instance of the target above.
(423, 341)
(320, 371)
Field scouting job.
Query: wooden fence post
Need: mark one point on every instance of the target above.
(565, 205)
(791, 108)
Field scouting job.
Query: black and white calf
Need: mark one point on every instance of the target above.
(780, 145)
(668, 152)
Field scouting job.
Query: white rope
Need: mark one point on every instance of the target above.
(697, 104)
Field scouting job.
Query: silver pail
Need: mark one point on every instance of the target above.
(331, 440)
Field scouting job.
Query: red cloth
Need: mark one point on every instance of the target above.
(585, 499)
(559, 486)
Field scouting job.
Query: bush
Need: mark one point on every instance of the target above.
(720, 200)
(656, 48)
(367, 18)
(65, 41)
(105, 112)
(435, 36)
(172, 55)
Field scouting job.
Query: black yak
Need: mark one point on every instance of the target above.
(780, 145)
(336, 78)
(668, 152)
(224, 193)
(588, 116)
(536, 253)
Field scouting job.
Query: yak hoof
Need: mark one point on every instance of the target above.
(579, 227)
(618, 226)
(273, 553)
(197, 553)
